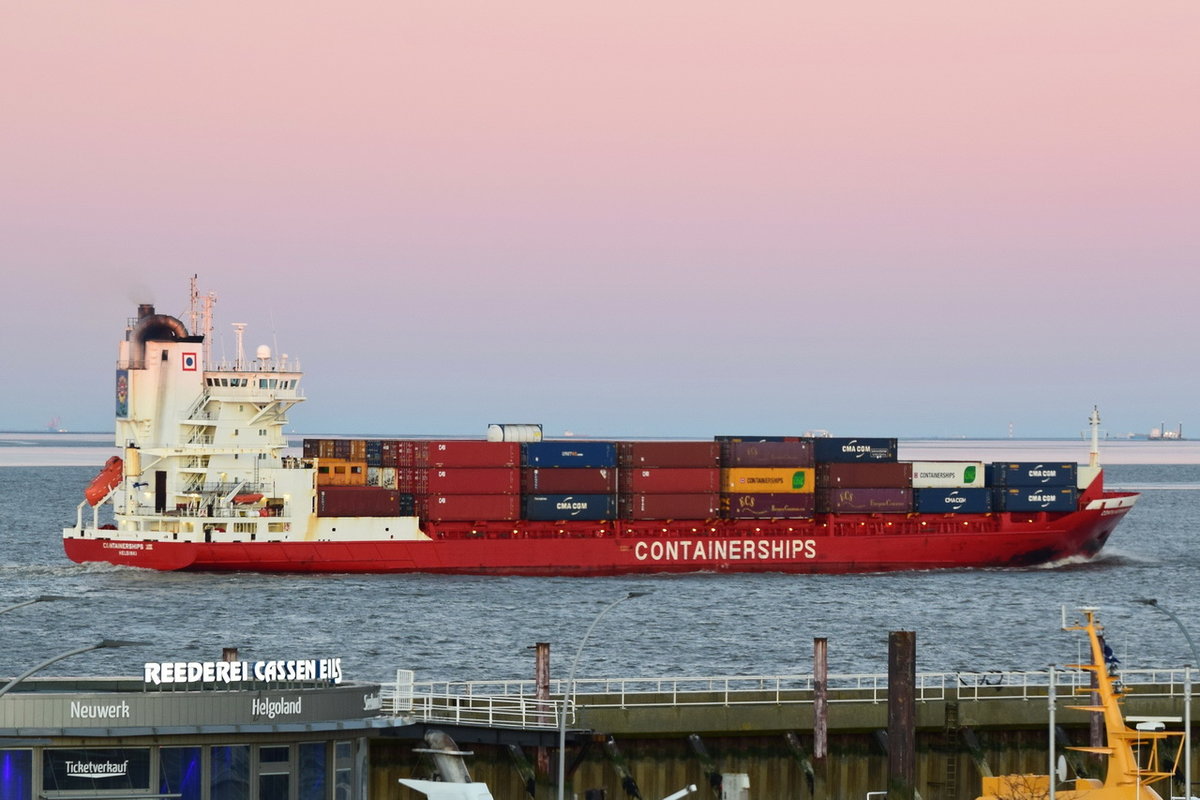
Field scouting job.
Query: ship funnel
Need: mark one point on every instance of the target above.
(152, 327)
(145, 310)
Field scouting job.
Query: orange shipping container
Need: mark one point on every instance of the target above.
(341, 472)
(767, 480)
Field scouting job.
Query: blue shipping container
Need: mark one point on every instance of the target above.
(842, 449)
(549, 507)
(1037, 498)
(593, 455)
(953, 501)
(374, 453)
(1032, 473)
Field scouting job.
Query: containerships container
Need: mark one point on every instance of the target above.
(767, 480)
(1006, 473)
(859, 449)
(952, 501)
(569, 454)
(865, 475)
(736, 505)
(570, 506)
(948, 474)
(1037, 498)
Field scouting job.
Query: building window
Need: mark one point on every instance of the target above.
(274, 773)
(343, 769)
(230, 767)
(16, 771)
(179, 772)
(314, 773)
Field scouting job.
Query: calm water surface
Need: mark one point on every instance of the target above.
(476, 628)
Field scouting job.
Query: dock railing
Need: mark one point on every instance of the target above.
(515, 704)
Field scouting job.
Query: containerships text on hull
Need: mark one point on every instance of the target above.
(205, 483)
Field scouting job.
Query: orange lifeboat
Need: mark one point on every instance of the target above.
(247, 498)
(103, 483)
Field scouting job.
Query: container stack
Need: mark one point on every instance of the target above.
(950, 487)
(767, 478)
(464, 480)
(569, 480)
(1029, 486)
(669, 480)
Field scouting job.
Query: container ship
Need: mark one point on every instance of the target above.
(207, 482)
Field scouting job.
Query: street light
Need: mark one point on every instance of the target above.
(41, 598)
(570, 687)
(1153, 603)
(101, 645)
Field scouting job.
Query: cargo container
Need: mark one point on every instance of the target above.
(569, 454)
(570, 506)
(514, 432)
(670, 480)
(569, 480)
(375, 453)
(952, 501)
(341, 472)
(767, 480)
(736, 505)
(357, 501)
(1028, 473)
(1036, 498)
(468, 453)
(468, 507)
(669, 506)
(836, 448)
(384, 477)
(669, 454)
(948, 474)
(864, 501)
(865, 475)
(795, 453)
(318, 448)
(341, 448)
(472, 480)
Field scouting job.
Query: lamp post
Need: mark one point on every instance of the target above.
(41, 598)
(101, 645)
(1187, 699)
(570, 688)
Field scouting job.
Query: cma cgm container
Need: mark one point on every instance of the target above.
(952, 501)
(569, 454)
(669, 454)
(670, 480)
(864, 501)
(796, 453)
(357, 501)
(736, 505)
(669, 506)
(465, 453)
(468, 507)
(948, 474)
(836, 448)
(767, 480)
(569, 480)
(865, 475)
(570, 506)
(1033, 474)
(1037, 498)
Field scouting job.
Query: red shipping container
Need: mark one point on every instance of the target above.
(767, 506)
(413, 480)
(864, 475)
(569, 480)
(470, 453)
(472, 480)
(669, 454)
(797, 453)
(469, 507)
(357, 501)
(670, 480)
(864, 501)
(669, 506)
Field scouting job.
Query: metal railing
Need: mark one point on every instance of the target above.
(513, 703)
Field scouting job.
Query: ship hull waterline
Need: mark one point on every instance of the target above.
(878, 545)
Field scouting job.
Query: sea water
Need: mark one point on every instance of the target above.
(484, 628)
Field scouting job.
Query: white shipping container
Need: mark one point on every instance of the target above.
(947, 474)
(381, 476)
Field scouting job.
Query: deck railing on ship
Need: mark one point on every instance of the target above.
(514, 703)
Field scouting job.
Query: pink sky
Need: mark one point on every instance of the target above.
(617, 218)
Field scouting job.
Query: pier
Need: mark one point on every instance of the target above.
(649, 737)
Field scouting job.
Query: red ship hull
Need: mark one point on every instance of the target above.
(840, 543)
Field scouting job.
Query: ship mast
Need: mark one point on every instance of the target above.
(1094, 421)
